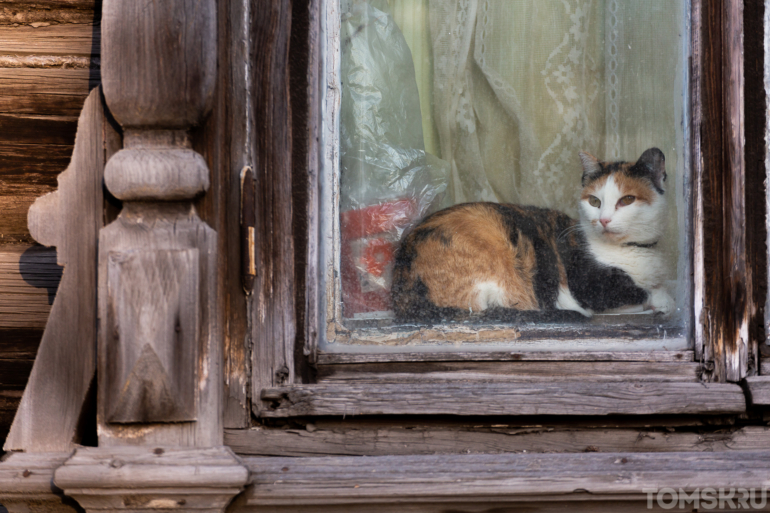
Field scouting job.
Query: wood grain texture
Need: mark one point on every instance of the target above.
(344, 483)
(152, 478)
(55, 39)
(45, 91)
(506, 356)
(550, 398)
(37, 14)
(157, 228)
(48, 415)
(143, 90)
(29, 278)
(755, 152)
(159, 73)
(25, 483)
(306, 90)
(382, 440)
(152, 351)
(758, 390)
(159, 173)
(724, 308)
(227, 140)
(507, 372)
(273, 305)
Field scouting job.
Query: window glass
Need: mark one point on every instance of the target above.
(561, 125)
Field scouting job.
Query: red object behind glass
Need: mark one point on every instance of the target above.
(369, 239)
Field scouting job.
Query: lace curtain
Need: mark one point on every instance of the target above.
(511, 90)
(519, 87)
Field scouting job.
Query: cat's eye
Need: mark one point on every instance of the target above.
(594, 201)
(626, 200)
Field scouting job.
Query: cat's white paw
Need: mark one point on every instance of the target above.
(661, 302)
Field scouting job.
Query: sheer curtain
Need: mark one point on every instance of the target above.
(521, 86)
(511, 90)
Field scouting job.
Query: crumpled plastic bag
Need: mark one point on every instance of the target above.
(387, 181)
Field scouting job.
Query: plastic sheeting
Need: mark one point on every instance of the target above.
(387, 181)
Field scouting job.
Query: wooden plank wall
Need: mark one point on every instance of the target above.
(49, 61)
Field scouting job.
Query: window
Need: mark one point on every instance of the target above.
(447, 102)
(302, 376)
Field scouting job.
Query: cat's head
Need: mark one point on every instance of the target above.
(623, 202)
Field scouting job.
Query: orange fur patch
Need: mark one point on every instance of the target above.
(634, 187)
(479, 251)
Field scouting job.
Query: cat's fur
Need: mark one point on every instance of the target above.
(518, 263)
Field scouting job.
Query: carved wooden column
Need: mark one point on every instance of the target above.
(159, 348)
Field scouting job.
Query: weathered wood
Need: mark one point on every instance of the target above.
(382, 440)
(152, 478)
(143, 90)
(306, 91)
(14, 373)
(152, 352)
(83, 4)
(21, 129)
(505, 356)
(227, 140)
(49, 412)
(13, 223)
(9, 403)
(44, 91)
(758, 390)
(20, 343)
(160, 352)
(157, 165)
(459, 480)
(755, 152)
(29, 278)
(550, 398)
(508, 372)
(159, 229)
(25, 483)
(272, 308)
(16, 13)
(723, 296)
(59, 39)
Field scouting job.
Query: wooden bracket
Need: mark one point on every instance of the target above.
(70, 219)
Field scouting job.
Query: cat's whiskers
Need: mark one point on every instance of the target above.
(568, 231)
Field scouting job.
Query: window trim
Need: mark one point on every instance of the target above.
(714, 30)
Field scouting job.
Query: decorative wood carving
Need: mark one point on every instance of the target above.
(153, 300)
(69, 219)
(159, 349)
(152, 478)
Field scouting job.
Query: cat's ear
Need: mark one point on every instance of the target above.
(591, 166)
(653, 164)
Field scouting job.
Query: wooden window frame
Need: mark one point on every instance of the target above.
(292, 377)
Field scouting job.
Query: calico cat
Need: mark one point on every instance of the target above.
(520, 263)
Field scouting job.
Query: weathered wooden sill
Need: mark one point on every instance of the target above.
(480, 398)
(493, 480)
(506, 356)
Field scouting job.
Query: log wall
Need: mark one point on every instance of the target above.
(49, 61)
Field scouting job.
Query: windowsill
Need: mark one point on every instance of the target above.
(573, 397)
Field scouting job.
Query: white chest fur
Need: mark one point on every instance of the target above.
(646, 266)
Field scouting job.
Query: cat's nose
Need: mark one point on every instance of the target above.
(604, 222)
